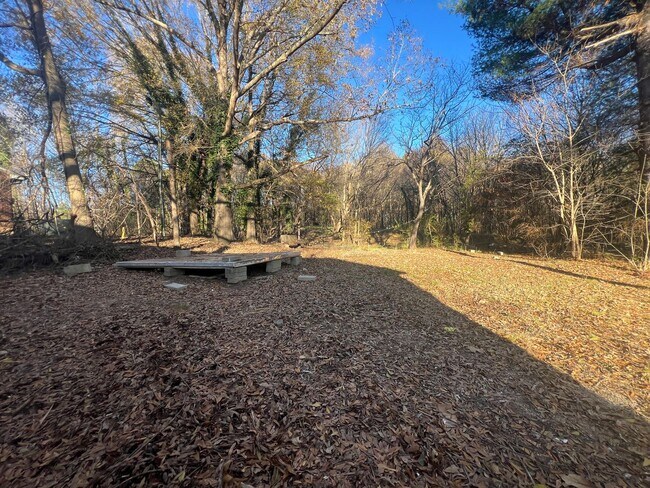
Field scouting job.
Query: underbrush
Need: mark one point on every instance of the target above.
(26, 252)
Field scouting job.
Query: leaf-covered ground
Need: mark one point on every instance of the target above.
(394, 368)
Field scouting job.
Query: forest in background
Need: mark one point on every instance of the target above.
(251, 119)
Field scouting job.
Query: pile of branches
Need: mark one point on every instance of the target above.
(19, 252)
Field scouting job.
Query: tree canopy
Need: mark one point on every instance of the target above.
(251, 119)
(514, 38)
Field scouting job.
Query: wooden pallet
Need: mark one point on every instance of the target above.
(235, 265)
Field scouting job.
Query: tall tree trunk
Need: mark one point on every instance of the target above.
(194, 222)
(642, 59)
(643, 75)
(138, 220)
(223, 217)
(251, 229)
(6, 202)
(253, 199)
(55, 90)
(173, 197)
(413, 239)
(576, 243)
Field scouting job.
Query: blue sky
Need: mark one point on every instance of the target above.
(441, 31)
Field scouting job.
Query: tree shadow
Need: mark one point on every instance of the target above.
(360, 378)
(556, 270)
(578, 275)
(523, 402)
(461, 253)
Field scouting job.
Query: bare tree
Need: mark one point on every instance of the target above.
(476, 146)
(32, 22)
(362, 164)
(628, 234)
(440, 102)
(557, 137)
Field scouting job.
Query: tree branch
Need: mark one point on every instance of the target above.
(284, 57)
(625, 21)
(286, 170)
(19, 68)
(605, 61)
(16, 26)
(611, 38)
(136, 12)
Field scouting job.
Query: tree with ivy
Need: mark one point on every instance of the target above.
(6, 138)
(239, 75)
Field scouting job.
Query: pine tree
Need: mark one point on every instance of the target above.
(514, 38)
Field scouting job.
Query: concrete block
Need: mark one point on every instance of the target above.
(171, 272)
(75, 269)
(183, 253)
(306, 278)
(235, 275)
(175, 286)
(274, 266)
(295, 261)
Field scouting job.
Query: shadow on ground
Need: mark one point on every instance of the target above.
(357, 379)
(579, 275)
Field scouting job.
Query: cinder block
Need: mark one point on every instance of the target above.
(75, 269)
(306, 278)
(295, 261)
(175, 286)
(274, 266)
(235, 275)
(171, 272)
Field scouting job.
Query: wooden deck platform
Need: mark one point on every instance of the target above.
(235, 265)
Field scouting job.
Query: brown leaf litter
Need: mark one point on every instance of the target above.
(393, 368)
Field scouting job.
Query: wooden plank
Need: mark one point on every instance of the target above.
(208, 261)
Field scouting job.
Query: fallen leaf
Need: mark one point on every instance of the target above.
(576, 481)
